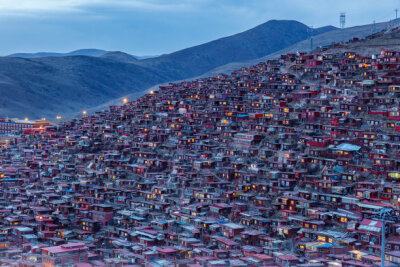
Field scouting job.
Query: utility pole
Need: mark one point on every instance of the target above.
(383, 240)
(383, 215)
(396, 12)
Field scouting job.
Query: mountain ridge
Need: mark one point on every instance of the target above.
(92, 52)
(322, 39)
(80, 52)
(64, 85)
(274, 33)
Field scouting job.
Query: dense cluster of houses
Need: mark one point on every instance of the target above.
(262, 167)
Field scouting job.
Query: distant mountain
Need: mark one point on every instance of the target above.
(146, 57)
(120, 56)
(260, 41)
(49, 84)
(80, 52)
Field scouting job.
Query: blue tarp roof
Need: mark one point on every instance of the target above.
(348, 147)
(327, 245)
(338, 169)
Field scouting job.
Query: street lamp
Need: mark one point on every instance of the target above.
(84, 112)
(39, 168)
(125, 100)
(384, 214)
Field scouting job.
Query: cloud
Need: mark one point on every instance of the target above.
(154, 5)
(160, 26)
(29, 6)
(37, 5)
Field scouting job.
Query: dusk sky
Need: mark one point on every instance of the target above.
(151, 27)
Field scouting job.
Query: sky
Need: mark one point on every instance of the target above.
(153, 27)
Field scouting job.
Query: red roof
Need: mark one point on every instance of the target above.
(287, 257)
(66, 248)
(226, 241)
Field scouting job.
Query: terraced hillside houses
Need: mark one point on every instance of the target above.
(286, 163)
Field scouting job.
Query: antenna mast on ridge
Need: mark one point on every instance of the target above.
(342, 20)
(342, 23)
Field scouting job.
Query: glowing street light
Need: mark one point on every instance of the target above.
(26, 118)
(125, 100)
(84, 112)
(58, 117)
